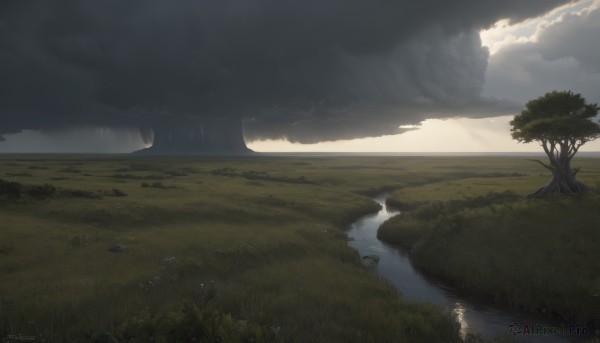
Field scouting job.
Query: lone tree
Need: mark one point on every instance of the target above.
(562, 123)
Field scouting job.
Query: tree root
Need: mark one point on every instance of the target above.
(554, 188)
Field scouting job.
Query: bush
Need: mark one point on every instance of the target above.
(46, 191)
(11, 190)
(70, 170)
(77, 193)
(19, 174)
(159, 185)
(118, 193)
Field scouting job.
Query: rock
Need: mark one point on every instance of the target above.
(169, 260)
(373, 258)
(370, 261)
(117, 248)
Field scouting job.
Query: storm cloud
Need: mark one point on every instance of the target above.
(563, 57)
(304, 70)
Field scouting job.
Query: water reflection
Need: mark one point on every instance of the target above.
(473, 315)
(459, 315)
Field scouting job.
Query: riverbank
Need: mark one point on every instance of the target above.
(481, 237)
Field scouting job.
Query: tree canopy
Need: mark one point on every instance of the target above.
(562, 122)
(557, 118)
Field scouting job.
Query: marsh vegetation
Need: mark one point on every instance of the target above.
(258, 253)
(481, 236)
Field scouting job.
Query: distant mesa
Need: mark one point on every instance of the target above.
(197, 136)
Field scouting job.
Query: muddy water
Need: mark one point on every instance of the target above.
(474, 315)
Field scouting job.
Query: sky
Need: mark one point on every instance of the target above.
(505, 43)
(330, 75)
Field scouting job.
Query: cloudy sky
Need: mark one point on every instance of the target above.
(329, 75)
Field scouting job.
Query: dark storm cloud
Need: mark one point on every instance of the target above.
(307, 70)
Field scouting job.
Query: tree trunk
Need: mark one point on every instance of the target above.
(563, 179)
(197, 136)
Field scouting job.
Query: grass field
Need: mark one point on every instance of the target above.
(241, 249)
(236, 249)
(480, 235)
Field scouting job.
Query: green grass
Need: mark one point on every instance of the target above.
(235, 257)
(540, 256)
(254, 253)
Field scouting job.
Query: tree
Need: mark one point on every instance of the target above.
(561, 122)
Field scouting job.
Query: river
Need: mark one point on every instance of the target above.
(474, 315)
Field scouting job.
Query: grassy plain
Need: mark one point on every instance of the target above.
(206, 248)
(236, 249)
(479, 234)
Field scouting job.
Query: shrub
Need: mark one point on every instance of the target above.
(77, 193)
(9, 189)
(46, 191)
(159, 185)
(19, 174)
(70, 170)
(118, 193)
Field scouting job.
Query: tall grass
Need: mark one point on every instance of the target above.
(258, 256)
(540, 256)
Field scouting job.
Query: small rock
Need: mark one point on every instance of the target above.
(117, 248)
(370, 261)
(373, 258)
(169, 260)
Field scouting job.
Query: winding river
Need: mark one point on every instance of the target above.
(474, 316)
